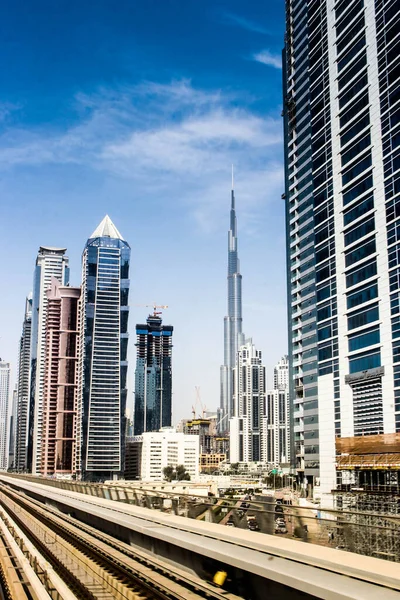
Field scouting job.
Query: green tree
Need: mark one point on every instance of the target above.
(181, 473)
(169, 473)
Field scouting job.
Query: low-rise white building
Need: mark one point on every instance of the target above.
(155, 450)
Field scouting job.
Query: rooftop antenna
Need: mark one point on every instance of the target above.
(232, 179)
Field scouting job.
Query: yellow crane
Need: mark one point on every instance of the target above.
(154, 306)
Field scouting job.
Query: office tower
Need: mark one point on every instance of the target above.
(23, 389)
(148, 454)
(233, 336)
(60, 381)
(103, 354)
(50, 262)
(278, 416)
(4, 400)
(13, 430)
(341, 116)
(248, 426)
(153, 375)
(281, 374)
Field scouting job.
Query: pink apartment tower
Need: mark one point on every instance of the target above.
(58, 449)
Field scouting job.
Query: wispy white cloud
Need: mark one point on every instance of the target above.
(166, 138)
(233, 19)
(268, 58)
(7, 108)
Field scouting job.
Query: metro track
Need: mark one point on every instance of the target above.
(258, 565)
(95, 564)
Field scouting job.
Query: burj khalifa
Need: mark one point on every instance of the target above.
(233, 336)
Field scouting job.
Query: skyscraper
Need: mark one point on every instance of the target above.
(278, 416)
(103, 354)
(233, 336)
(4, 400)
(341, 116)
(58, 449)
(23, 389)
(281, 374)
(12, 430)
(248, 426)
(153, 376)
(50, 262)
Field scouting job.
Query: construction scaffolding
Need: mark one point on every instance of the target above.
(368, 495)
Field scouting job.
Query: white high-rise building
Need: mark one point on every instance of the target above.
(165, 448)
(278, 416)
(342, 132)
(4, 403)
(50, 262)
(281, 374)
(248, 426)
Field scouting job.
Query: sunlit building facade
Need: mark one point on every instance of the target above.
(50, 262)
(60, 382)
(103, 345)
(248, 426)
(341, 115)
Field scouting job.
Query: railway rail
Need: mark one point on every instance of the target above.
(268, 566)
(96, 565)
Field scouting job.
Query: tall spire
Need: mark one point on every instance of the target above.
(106, 229)
(233, 336)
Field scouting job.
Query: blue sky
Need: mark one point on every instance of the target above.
(138, 108)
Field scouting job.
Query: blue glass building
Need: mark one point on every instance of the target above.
(342, 133)
(103, 354)
(153, 376)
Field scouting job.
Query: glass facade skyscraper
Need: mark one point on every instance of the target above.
(153, 376)
(23, 387)
(103, 354)
(233, 336)
(342, 119)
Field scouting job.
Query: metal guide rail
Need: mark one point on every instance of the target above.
(367, 532)
(300, 568)
(96, 565)
(12, 582)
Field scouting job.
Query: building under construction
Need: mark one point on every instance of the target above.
(368, 494)
(213, 447)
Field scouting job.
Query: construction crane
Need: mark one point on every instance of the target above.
(199, 403)
(154, 306)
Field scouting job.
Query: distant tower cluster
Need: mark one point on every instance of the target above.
(153, 376)
(71, 394)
